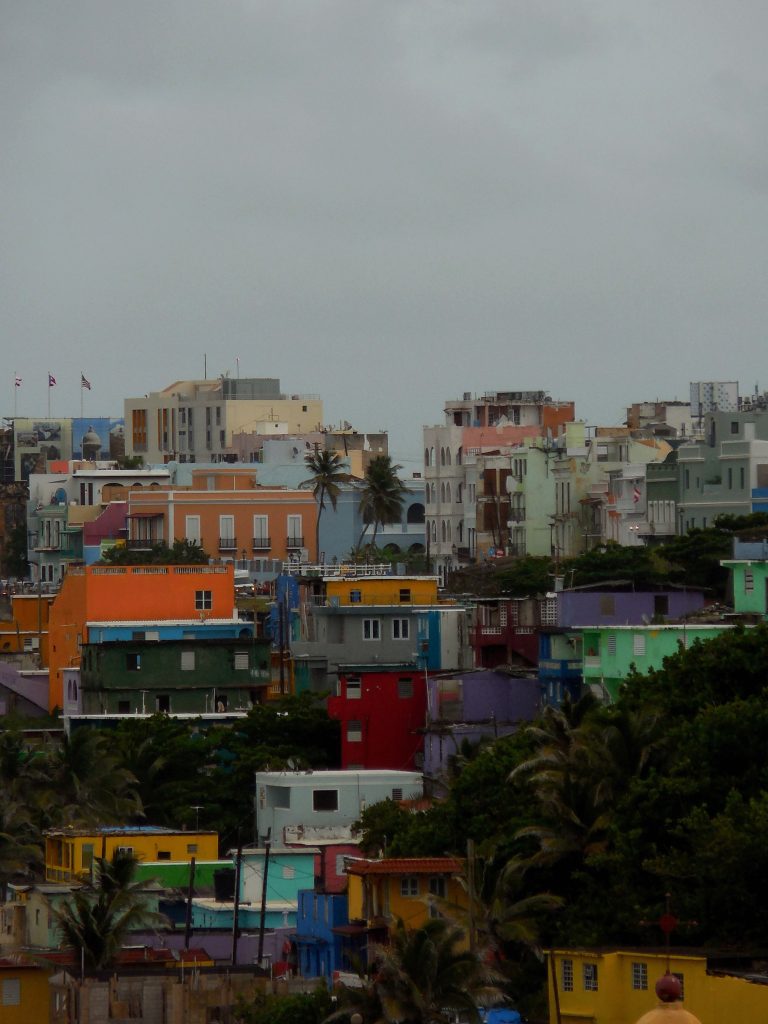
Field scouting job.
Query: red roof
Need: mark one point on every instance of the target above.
(406, 866)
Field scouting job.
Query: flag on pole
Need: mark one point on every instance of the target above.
(84, 383)
(18, 381)
(636, 494)
(51, 380)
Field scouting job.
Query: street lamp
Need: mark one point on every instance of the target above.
(197, 808)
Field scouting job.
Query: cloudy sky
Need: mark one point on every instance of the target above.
(386, 202)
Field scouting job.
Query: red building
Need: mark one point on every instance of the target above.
(382, 714)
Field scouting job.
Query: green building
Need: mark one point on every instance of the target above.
(611, 652)
(749, 576)
(174, 676)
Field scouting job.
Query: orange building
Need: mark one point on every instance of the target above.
(130, 593)
(26, 631)
(228, 515)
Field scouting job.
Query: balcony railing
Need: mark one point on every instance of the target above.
(262, 543)
(227, 543)
(294, 542)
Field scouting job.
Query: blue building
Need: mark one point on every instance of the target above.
(325, 940)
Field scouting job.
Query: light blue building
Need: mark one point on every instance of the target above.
(289, 871)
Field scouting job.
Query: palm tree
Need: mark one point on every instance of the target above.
(424, 976)
(96, 919)
(328, 473)
(382, 496)
(89, 784)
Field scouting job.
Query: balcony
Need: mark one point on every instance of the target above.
(293, 543)
(262, 543)
(142, 543)
(227, 543)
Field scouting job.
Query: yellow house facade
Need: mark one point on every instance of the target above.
(381, 891)
(617, 986)
(24, 992)
(380, 590)
(69, 852)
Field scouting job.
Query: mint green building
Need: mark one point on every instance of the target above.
(610, 652)
(749, 576)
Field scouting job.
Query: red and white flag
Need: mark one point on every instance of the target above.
(84, 383)
(51, 380)
(636, 494)
(18, 381)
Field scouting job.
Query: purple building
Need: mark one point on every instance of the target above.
(599, 606)
(473, 706)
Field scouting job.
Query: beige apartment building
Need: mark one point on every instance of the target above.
(194, 420)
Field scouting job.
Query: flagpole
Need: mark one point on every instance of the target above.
(49, 394)
(15, 391)
(82, 389)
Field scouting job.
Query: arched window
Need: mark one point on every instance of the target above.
(442, 456)
(426, 456)
(458, 456)
(447, 456)
(458, 494)
(415, 513)
(444, 531)
(442, 492)
(448, 525)
(460, 531)
(448, 492)
(434, 530)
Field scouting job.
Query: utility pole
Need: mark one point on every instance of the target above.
(236, 904)
(190, 891)
(263, 916)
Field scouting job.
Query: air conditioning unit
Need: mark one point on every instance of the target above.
(31, 643)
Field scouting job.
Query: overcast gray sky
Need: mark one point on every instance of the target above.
(387, 203)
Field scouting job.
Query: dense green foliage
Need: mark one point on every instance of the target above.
(181, 552)
(156, 770)
(301, 1008)
(692, 560)
(382, 496)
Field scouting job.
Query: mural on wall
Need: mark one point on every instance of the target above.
(98, 437)
(38, 442)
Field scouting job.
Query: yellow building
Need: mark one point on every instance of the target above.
(357, 588)
(24, 992)
(617, 986)
(381, 891)
(69, 852)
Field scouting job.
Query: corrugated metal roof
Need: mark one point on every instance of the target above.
(150, 623)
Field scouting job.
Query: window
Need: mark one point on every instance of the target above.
(163, 703)
(397, 794)
(566, 975)
(187, 661)
(288, 872)
(123, 707)
(749, 581)
(163, 854)
(409, 885)
(354, 732)
(589, 976)
(203, 600)
(355, 596)
(241, 661)
(730, 478)
(325, 800)
(741, 477)
(405, 688)
(640, 977)
(612, 643)
(133, 662)
(371, 629)
(687, 478)
(340, 864)
(436, 888)
(127, 851)
(400, 629)
(734, 426)
(11, 992)
(138, 634)
(191, 847)
(87, 856)
(354, 689)
(660, 604)
(405, 595)
(638, 644)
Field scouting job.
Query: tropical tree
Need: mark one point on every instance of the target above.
(328, 474)
(89, 783)
(96, 919)
(382, 496)
(424, 976)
